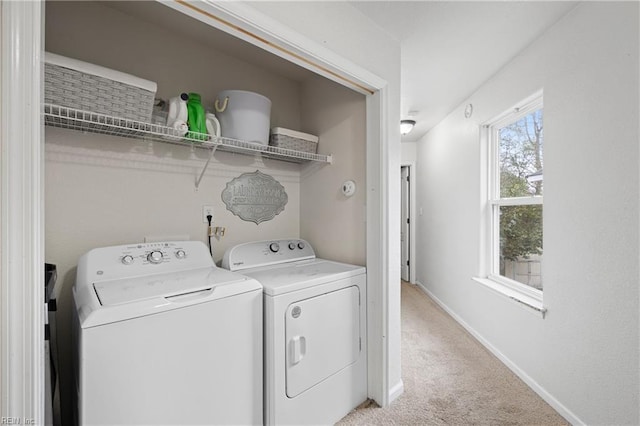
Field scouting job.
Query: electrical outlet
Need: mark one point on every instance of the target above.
(206, 211)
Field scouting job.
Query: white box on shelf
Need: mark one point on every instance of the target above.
(292, 139)
(81, 85)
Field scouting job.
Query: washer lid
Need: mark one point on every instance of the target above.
(295, 276)
(111, 301)
(168, 285)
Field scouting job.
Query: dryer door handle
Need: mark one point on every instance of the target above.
(298, 347)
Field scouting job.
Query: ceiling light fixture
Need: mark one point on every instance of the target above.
(406, 126)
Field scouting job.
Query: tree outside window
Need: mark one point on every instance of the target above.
(517, 201)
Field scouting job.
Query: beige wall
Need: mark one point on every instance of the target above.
(333, 222)
(103, 190)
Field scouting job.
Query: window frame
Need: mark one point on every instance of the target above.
(490, 256)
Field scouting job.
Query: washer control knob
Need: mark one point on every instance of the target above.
(274, 247)
(155, 256)
(127, 259)
(292, 246)
(180, 254)
(300, 245)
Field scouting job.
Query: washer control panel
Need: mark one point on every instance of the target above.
(270, 252)
(147, 258)
(152, 253)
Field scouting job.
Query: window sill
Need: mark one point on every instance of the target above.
(532, 304)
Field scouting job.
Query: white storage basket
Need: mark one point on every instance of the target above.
(75, 84)
(291, 139)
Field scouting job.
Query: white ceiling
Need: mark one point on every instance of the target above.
(450, 48)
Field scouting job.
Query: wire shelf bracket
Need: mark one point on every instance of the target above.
(204, 169)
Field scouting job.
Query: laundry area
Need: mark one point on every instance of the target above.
(127, 199)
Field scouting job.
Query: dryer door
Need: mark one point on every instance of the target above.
(322, 337)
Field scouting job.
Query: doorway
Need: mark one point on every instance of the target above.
(405, 223)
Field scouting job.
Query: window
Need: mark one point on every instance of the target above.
(514, 199)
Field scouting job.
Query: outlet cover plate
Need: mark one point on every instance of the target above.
(207, 210)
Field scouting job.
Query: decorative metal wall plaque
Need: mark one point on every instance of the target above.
(255, 197)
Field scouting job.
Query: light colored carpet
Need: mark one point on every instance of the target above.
(451, 379)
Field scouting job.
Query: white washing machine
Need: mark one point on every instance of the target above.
(166, 337)
(314, 330)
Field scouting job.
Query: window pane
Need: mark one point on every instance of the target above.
(520, 147)
(521, 244)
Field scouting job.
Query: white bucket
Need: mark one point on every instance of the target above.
(244, 115)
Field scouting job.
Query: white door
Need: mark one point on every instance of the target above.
(404, 222)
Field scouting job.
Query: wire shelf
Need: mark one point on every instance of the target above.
(86, 121)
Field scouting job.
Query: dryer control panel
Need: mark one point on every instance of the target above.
(264, 253)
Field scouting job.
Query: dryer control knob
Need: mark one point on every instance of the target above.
(180, 254)
(127, 260)
(300, 245)
(274, 247)
(155, 256)
(292, 246)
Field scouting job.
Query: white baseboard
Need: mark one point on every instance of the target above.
(396, 391)
(542, 392)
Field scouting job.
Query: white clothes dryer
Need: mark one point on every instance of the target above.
(314, 330)
(166, 337)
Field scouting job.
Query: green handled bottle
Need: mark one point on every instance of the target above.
(196, 118)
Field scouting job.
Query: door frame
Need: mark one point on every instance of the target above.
(22, 201)
(21, 213)
(412, 219)
(405, 222)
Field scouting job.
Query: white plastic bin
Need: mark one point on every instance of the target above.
(244, 115)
